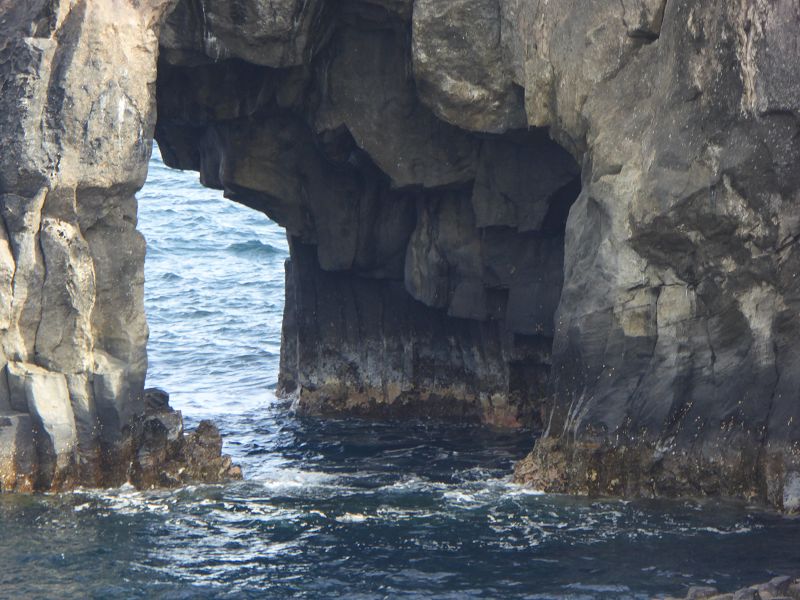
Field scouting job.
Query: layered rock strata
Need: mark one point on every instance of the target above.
(575, 215)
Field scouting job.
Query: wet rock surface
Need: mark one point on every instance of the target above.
(416, 244)
(165, 455)
(580, 217)
(778, 588)
(669, 369)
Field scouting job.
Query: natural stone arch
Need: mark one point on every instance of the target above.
(675, 339)
(403, 299)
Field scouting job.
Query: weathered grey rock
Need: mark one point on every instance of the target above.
(87, 421)
(115, 402)
(639, 280)
(276, 34)
(165, 457)
(17, 453)
(687, 377)
(403, 8)
(460, 67)
(297, 156)
(364, 347)
(370, 91)
(454, 265)
(781, 584)
(699, 592)
(520, 181)
(22, 218)
(674, 347)
(155, 400)
(64, 339)
(76, 120)
(47, 400)
(779, 588)
(794, 589)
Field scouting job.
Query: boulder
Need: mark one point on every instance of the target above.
(459, 64)
(276, 34)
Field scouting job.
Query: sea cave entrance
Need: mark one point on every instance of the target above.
(213, 295)
(426, 262)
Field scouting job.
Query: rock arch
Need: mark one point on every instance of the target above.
(423, 156)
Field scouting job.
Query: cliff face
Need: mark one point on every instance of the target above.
(574, 215)
(76, 119)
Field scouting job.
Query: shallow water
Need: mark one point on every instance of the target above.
(339, 508)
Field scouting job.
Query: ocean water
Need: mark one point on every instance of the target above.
(340, 509)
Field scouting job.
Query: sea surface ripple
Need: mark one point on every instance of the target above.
(339, 508)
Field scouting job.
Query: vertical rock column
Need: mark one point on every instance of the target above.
(76, 120)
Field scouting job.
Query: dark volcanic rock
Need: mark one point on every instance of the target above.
(276, 34)
(496, 208)
(363, 346)
(672, 360)
(674, 336)
(164, 456)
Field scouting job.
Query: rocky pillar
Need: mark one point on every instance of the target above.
(77, 114)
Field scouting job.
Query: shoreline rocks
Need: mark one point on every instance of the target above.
(40, 455)
(644, 470)
(778, 588)
(167, 456)
(531, 215)
(76, 119)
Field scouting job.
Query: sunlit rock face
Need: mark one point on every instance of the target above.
(76, 119)
(579, 216)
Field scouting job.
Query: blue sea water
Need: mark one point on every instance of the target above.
(339, 509)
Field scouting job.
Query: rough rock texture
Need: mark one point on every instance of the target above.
(427, 260)
(783, 587)
(674, 357)
(165, 457)
(76, 122)
(580, 215)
